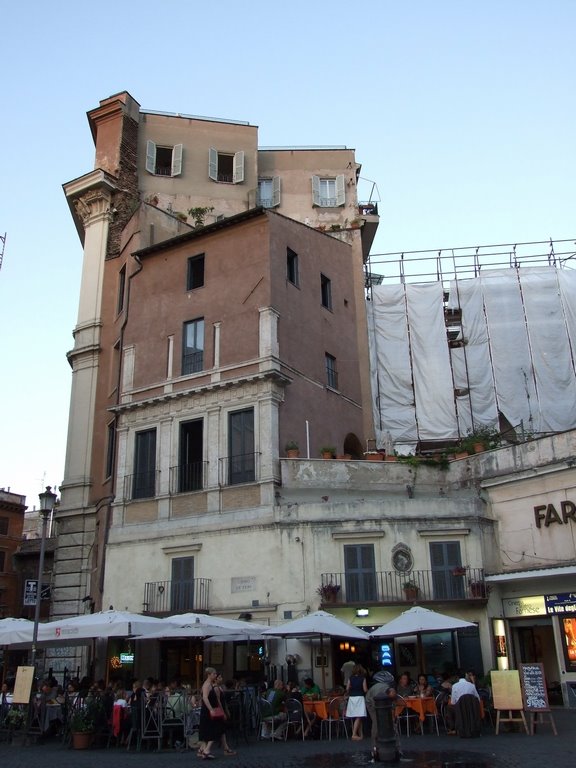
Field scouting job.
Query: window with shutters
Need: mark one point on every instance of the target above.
(193, 346)
(269, 192)
(182, 585)
(328, 192)
(360, 573)
(226, 167)
(241, 457)
(445, 560)
(163, 161)
(144, 478)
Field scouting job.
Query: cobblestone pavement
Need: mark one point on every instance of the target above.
(507, 750)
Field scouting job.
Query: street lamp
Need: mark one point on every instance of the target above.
(47, 500)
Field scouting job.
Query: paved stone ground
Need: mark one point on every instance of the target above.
(507, 750)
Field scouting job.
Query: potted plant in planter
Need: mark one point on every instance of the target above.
(328, 592)
(411, 590)
(292, 450)
(373, 456)
(459, 570)
(15, 721)
(83, 725)
(327, 451)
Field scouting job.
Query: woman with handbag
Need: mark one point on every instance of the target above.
(212, 715)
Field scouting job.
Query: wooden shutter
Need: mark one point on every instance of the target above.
(275, 191)
(213, 164)
(315, 190)
(177, 160)
(340, 190)
(150, 156)
(238, 172)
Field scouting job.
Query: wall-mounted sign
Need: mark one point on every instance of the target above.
(524, 606)
(243, 584)
(547, 514)
(562, 603)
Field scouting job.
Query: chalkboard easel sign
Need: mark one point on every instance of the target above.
(535, 694)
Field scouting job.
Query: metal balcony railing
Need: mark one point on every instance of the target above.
(167, 597)
(454, 583)
(142, 485)
(242, 468)
(188, 477)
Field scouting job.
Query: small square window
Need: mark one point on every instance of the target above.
(195, 276)
(269, 192)
(326, 291)
(328, 192)
(291, 266)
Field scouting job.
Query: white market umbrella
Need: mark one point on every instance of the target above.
(234, 626)
(418, 621)
(13, 631)
(318, 624)
(101, 624)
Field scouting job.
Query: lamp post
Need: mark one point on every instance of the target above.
(47, 500)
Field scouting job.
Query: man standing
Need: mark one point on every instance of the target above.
(346, 671)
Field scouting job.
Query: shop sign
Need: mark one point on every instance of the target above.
(524, 606)
(547, 514)
(562, 603)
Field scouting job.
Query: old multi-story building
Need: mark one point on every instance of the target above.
(12, 508)
(222, 319)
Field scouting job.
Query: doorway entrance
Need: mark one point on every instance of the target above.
(533, 641)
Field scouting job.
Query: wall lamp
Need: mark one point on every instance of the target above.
(361, 612)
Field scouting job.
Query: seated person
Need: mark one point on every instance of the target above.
(423, 687)
(462, 688)
(405, 686)
(309, 689)
(276, 696)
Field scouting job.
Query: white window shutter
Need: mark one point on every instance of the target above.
(275, 191)
(238, 170)
(213, 164)
(315, 190)
(150, 156)
(177, 160)
(340, 190)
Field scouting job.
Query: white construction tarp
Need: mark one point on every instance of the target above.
(516, 357)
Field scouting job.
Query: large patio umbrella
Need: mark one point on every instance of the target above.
(418, 621)
(234, 626)
(13, 631)
(318, 624)
(101, 624)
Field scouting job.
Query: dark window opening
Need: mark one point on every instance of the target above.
(331, 373)
(182, 585)
(4, 526)
(291, 266)
(241, 447)
(225, 168)
(110, 448)
(144, 480)
(121, 289)
(195, 277)
(326, 289)
(163, 161)
(190, 459)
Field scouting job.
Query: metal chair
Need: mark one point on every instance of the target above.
(432, 716)
(486, 699)
(406, 715)
(336, 717)
(267, 719)
(294, 718)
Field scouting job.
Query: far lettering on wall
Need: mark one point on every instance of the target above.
(548, 514)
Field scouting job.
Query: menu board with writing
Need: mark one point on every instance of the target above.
(534, 687)
(506, 690)
(23, 685)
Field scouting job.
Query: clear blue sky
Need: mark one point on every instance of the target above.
(461, 111)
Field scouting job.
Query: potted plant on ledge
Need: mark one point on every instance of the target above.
(292, 450)
(411, 590)
(328, 592)
(478, 589)
(327, 451)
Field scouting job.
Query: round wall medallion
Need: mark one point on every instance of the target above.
(402, 559)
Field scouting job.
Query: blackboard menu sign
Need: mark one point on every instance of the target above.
(534, 688)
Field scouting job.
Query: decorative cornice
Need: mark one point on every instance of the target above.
(90, 198)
